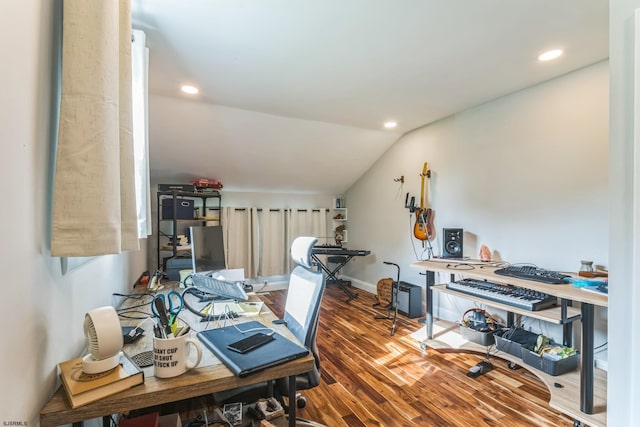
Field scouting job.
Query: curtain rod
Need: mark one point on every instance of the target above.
(276, 210)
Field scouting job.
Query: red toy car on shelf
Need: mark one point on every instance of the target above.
(202, 183)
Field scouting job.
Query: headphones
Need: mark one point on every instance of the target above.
(486, 325)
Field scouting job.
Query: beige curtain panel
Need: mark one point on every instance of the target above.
(94, 208)
(238, 240)
(305, 222)
(272, 241)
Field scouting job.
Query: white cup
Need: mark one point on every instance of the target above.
(185, 280)
(171, 356)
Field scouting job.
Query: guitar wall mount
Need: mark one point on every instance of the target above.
(411, 205)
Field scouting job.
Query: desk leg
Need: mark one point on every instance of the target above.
(586, 374)
(567, 327)
(430, 281)
(292, 401)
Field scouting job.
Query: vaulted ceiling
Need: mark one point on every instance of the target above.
(294, 94)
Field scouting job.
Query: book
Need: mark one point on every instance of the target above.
(82, 388)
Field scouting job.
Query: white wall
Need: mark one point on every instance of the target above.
(624, 297)
(42, 310)
(276, 200)
(525, 174)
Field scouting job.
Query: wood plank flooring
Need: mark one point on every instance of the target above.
(372, 379)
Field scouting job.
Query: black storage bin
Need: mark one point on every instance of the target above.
(550, 366)
(511, 340)
(184, 208)
(478, 337)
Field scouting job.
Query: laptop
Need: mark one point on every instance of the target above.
(276, 352)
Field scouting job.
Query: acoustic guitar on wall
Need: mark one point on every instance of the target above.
(423, 228)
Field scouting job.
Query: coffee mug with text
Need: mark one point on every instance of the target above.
(173, 356)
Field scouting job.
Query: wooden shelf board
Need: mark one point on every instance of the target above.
(566, 399)
(178, 248)
(485, 271)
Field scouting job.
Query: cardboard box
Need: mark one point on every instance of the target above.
(171, 420)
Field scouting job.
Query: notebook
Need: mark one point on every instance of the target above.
(276, 352)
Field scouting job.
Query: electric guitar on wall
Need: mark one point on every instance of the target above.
(423, 228)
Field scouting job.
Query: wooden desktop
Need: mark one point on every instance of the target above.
(209, 377)
(583, 392)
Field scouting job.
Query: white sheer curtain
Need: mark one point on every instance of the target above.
(94, 205)
(139, 83)
(237, 227)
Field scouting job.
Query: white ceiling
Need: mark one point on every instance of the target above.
(293, 93)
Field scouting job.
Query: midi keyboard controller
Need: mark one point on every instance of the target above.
(523, 298)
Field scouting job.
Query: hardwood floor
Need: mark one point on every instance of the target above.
(372, 379)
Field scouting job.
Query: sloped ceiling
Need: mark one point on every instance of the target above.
(293, 94)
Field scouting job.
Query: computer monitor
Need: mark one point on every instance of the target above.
(207, 248)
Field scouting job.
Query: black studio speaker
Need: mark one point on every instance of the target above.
(452, 242)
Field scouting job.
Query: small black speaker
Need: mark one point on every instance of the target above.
(452, 242)
(409, 300)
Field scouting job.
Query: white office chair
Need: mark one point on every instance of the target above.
(301, 315)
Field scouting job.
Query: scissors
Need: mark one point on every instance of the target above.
(173, 303)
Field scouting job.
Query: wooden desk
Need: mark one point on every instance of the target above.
(209, 377)
(589, 410)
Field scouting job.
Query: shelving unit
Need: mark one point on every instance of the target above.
(339, 215)
(169, 228)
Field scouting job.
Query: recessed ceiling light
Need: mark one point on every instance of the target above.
(549, 55)
(390, 125)
(191, 90)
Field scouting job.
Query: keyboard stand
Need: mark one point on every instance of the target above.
(332, 274)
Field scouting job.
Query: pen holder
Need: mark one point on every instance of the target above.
(172, 356)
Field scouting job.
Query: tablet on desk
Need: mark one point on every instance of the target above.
(279, 350)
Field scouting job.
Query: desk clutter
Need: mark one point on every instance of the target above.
(82, 388)
(153, 328)
(203, 412)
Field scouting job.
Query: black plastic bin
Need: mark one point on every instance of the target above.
(478, 337)
(511, 340)
(550, 366)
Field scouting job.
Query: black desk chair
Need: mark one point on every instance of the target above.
(301, 315)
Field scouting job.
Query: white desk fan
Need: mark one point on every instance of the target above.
(104, 340)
